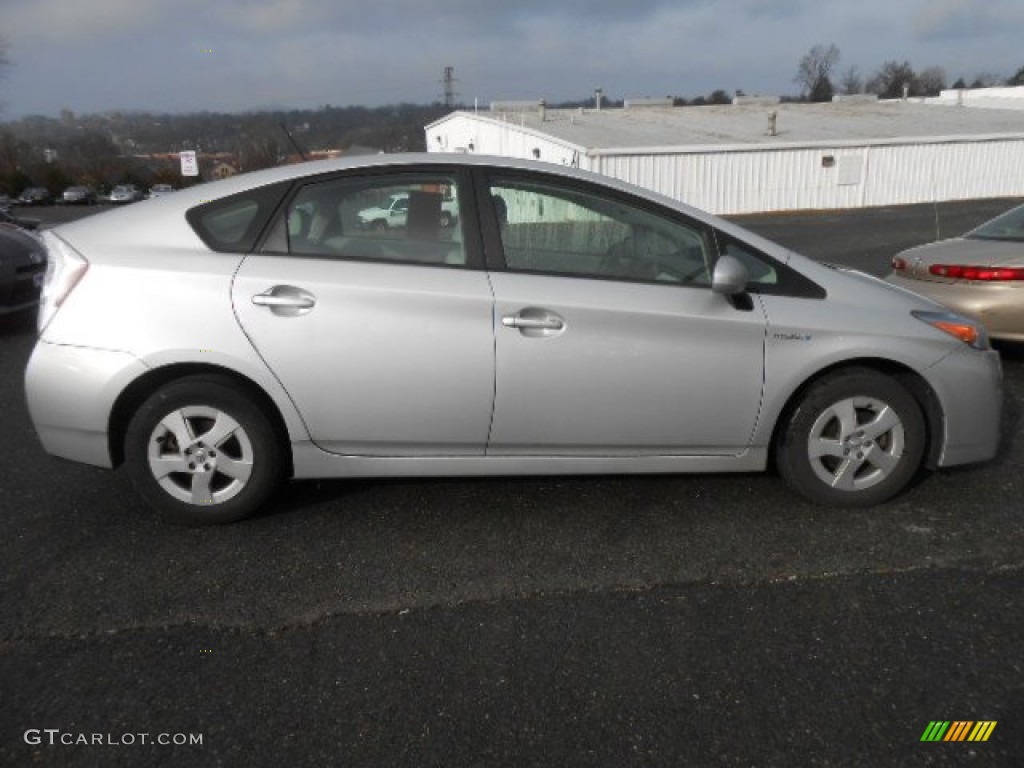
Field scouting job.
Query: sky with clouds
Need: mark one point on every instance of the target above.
(233, 55)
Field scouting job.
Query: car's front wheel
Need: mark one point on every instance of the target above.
(201, 452)
(856, 438)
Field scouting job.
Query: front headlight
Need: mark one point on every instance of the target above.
(969, 331)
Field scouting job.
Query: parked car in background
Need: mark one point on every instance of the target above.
(35, 196)
(79, 195)
(6, 217)
(22, 267)
(125, 193)
(249, 330)
(980, 274)
(158, 190)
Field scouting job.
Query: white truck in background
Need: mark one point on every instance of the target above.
(394, 212)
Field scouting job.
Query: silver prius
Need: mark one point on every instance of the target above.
(224, 338)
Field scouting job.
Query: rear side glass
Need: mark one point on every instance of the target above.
(411, 218)
(1009, 226)
(232, 224)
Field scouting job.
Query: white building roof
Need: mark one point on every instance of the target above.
(1006, 97)
(737, 127)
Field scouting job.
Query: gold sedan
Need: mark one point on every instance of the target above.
(980, 274)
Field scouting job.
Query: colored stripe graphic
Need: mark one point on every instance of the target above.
(958, 730)
(935, 731)
(982, 730)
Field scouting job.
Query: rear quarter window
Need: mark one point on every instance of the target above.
(232, 224)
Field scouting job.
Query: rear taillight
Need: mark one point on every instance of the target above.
(986, 274)
(898, 264)
(64, 268)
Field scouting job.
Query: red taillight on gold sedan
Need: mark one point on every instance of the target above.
(898, 264)
(987, 274)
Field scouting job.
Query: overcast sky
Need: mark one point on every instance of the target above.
(232, 55)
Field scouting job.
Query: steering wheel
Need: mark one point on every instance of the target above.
(623, 259)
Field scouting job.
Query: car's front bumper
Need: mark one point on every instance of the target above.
(969, 387)
(71, 392)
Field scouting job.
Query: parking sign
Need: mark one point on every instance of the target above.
(189, 164)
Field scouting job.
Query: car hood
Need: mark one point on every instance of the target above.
(968, 251)
(896, 296)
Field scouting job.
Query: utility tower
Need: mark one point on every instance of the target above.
(448, 79)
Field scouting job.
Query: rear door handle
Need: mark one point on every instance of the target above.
(285, 300)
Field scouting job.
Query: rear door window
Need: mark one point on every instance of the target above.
(411, 218)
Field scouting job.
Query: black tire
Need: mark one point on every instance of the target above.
(856, 438)
(379, 225)
(221, 480)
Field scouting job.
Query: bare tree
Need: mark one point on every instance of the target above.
(851, 82)
(889, 81)
(931, 81)
(814, 70)
(1017, 79)
(986, 80)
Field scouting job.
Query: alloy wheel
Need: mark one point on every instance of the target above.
(856, 443)
(200, 455)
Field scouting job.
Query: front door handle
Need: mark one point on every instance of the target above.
(299, 302)
(535, 322)
(285, 300)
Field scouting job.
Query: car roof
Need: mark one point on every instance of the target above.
(205, 192)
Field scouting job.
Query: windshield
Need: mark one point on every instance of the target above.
(1009, 226)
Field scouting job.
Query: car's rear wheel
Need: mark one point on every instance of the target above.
(856, 438)
(201, 452)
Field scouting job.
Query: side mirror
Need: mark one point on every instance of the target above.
(730, 276)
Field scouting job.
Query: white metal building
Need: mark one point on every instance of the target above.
(741, 159)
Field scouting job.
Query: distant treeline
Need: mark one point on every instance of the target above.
(113, 147)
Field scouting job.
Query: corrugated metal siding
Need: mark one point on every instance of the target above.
(780, 180)
(776, 179)
(739, 182)
(922, 173)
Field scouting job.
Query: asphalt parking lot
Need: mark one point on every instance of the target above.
(670, 620)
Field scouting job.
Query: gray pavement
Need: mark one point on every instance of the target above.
(686, 620)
